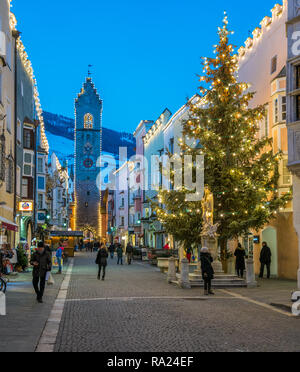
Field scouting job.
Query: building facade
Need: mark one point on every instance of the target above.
(154, 234)
(293, 109)
(7, 128)
(262, 63)
(59, 197)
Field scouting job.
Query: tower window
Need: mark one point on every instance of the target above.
(88, 121)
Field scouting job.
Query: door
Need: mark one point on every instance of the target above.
(269, 236)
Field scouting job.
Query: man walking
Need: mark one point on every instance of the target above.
(101, 261)
(265, 260)
(41, 262)
(120, 254)
(59, 255)
(129, 252)
(112, 251)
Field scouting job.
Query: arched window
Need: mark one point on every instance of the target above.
(88, 121)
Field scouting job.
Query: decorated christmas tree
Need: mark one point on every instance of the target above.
(241, 169)
(180, 218)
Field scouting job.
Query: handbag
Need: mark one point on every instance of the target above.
(50, 280)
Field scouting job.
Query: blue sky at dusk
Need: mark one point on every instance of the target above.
(145, 54)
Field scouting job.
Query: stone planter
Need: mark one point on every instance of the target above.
(163, 264)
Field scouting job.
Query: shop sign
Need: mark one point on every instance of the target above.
(41, 217)
(25, 206)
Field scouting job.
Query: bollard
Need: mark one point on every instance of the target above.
(2, 304)
(172, 270)
(184, 281)
(251, 282)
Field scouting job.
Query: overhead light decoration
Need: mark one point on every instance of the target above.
(29, 69)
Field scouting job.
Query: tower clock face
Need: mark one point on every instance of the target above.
(88, 163)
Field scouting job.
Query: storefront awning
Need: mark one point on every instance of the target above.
(8, 225)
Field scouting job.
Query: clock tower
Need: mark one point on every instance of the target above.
(88, 145)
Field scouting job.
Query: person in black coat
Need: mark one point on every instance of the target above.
(265, 260)
(129, 252)
(101, 261)
(207, 270)
(112, 251)
(240, 255)
(41, 262)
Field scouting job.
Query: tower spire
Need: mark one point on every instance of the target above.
(89, 71)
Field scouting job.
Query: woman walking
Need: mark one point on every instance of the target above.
(240, 255)
(101, 261)
(207, 270)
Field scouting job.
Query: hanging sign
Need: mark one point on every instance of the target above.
(25, 206)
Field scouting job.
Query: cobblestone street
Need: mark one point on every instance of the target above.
(135, 310)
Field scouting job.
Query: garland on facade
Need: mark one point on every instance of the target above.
(29, 69)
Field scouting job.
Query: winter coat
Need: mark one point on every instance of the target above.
(206, 266)
(265, 255)
(59, 253)
(101, 259)
(240, 255)
(44, 264)
(120, 250)
(111, 248)
(129, 248)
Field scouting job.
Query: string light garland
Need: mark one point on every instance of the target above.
(29, 70)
